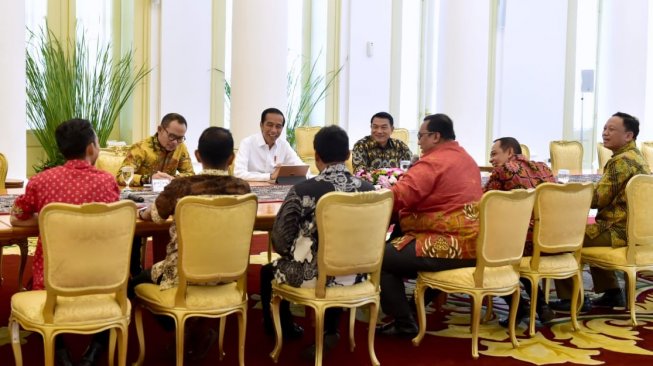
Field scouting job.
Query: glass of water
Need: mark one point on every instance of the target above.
(127, 175)
(404, 165)
(563, 175)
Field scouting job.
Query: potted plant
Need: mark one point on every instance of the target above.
(64, 83)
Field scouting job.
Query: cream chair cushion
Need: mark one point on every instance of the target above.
(551, 264)
(617, 256)
(495, 277)
(197, 297)
(365, 288)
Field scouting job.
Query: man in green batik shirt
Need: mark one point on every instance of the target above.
(619, 135)
(162, 156)
(379, 150)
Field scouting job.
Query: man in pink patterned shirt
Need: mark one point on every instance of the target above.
(75, 182)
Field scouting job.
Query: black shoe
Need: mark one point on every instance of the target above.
(329, 342)
(198, 351)
(564, 305)
(545, 314)
(62, 357)
(522, 313)
(611, 298)
(92, 354)
(401, 330)
(290, 330)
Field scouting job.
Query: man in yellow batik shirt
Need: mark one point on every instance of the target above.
(619, 135)
(161, 156)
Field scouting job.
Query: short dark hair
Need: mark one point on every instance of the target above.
(383, 115)
(215, 146)
(73, 136)
(440, 123)
(631, 123)
(331, 143)
(168, 118)
(273, 111)
(509, 143)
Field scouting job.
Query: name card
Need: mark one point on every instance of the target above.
(159, 184)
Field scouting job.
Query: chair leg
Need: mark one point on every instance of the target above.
(319, 335)
(374, 313)
(111, 349)
(138, 317)
(274, 305)
(181, 325)
(477, 302)
(421, 312)
(1, 258)
(48, 348)
(122, 344)
(531, 322)
(22, 245)
(631, 281)
(242, 328)
(14, 333)
(575, 299)
(547, 289)
(223, 324)
(513, 317)
(352, 320)
(489, 309)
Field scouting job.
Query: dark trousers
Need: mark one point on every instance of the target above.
(331, 315)
(135, 263)
(401, 264)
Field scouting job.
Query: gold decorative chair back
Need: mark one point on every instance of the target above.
(647, 151)
(352, 229)
(400, 134)
(604, 155)
(86, 251)
(304, 145)
(525, 151)
(504, 220)
(214, 234)
(111, 158)
(560, 216)
(4, 167)
(566, 155)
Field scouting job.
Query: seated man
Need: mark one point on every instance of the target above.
(619, 135)
(512, 170)
(215, 152)
(260, 155)
(379, 150)
(295, 235)
(435, 200)
(79, 145)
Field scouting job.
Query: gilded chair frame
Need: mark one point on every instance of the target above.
(525, 151)
(504, 217)
(4, 167)
(566, 155)
(304, 145)
(637, 256)
(604, 154)
(560, 216)
(86, 251)
(401, 134)
(647, 151)
(213, 240)
(352, 229)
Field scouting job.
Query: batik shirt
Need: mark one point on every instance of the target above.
(148, 157)
(75, 182)
(610, 193)
(437, 202)
(208, 182)
(295, 235)
(369, 155)
(518, 173)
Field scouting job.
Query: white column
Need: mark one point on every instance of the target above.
(12, 97)
(259, 53)
(462, 75)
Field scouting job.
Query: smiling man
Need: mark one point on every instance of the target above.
(619, 135)
(260, 155)
(379, 150)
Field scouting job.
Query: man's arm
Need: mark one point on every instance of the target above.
(405, 153)
(134, 159)
(242, 163)
(286, 226)
(185, 166)
(31, 221)
(615, 175)
(359, 157)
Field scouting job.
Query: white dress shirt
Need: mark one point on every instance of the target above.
(255, 160)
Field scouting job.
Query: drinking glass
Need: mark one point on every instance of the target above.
(563, 175)
(127, 175)
(404, 165)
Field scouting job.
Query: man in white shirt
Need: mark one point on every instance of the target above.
(260, 155)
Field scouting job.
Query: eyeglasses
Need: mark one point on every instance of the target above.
(173, 137)
(420, 134)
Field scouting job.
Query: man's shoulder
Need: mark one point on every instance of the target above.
(363, 143)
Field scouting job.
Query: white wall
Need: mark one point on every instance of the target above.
(12, 97)
(185, 64)
(530, 92)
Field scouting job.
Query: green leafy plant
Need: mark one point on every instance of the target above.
(64, 83)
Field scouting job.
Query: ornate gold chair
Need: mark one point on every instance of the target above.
(110, 158)
(647, 151)
(213, 238)
(525, 151)
(86, 259)
(566, 155)
(504, 219)
(400, 134)
(304, 145)
(604, 155)
(352, 229)
(560, 216)
(638, 254)
(4, 167)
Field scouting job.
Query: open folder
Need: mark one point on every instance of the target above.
(292, 174)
